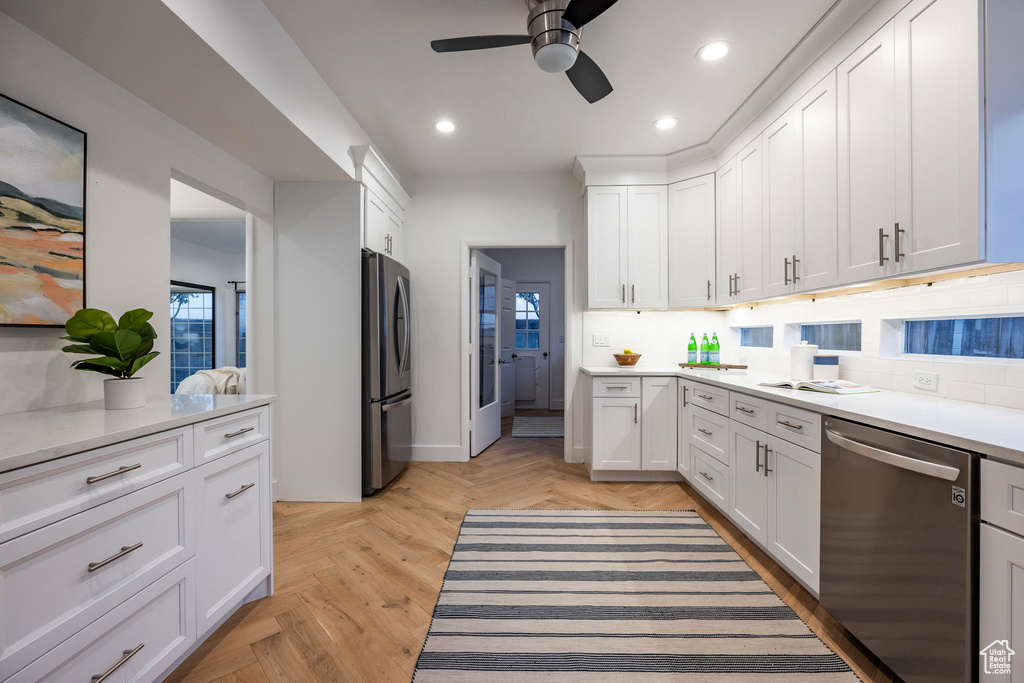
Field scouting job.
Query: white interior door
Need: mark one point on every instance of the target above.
(508, 348)
(483, 362)
(532, 348)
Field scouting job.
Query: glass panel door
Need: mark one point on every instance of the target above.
(488, 341)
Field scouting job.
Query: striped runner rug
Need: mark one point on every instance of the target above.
(568, 596)
(538, 426)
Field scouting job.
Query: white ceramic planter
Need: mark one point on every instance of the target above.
(122, 394)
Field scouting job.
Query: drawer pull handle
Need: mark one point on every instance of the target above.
(705, 475)
(125, 656)
(244, 430)
(767, 451)
(125, 549)
(706, 397)
(748, 411)
(790, 425)
(757, 458)
(616, 386)
(109, 475)
(240, 491)
(703, 431)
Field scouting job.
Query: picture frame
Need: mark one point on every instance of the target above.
(42, 217)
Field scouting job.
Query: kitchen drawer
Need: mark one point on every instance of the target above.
(709, 477)
(233, 540)
(611, 387)
(714, 399)
(1002, 495)
(160, 618)
(749, 410)
(795, 425)
(710, 432)
(48, 592)
(32, 497)
(217, 438)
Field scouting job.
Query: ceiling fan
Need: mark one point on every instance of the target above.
(555, 27)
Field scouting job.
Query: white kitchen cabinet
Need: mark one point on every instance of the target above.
(683, 458)
(794, 508)
(659, 428)
(382, 227)
(627, 247)
(691, 242)
(779, 145)
(616, 433)
(392, 235)
(727, 230)
(1001, 593)
(748, 481)
(739, 234)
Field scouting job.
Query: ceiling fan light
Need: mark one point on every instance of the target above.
(555, 57)
(666, 123)
(713, 51)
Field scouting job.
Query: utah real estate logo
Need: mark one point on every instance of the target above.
(996, 658)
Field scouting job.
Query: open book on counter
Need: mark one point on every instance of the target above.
(828, 386)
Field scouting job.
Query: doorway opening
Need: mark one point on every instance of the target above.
(209, 245)
(519, 321)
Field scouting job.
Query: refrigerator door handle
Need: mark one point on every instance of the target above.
(930, 469)
(397, 404)
(403, 362)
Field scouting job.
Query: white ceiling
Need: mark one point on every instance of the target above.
(227, 237)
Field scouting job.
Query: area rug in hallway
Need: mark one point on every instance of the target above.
(538, 427)
(567, 596)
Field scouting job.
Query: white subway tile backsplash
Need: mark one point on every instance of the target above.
(965, 391)
(1015, 376)
(993, 375)
(1009, 397)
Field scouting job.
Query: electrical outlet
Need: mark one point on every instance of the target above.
(602, 340)
(929, 381)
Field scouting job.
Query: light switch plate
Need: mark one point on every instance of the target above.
(602, 340)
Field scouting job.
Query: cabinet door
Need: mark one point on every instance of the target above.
(606, 247)
(374, 213)
(1001, 594)
(866, 99)
(794, 509)
(778, 145)
(658, 435)
(392, 235)
(748, 483)
(647, 247)
(727, 233)
(616, 436)
(750, 208)
(691, 242)
(937, 133)
(233, 540)
(817, 209)
(683, 430)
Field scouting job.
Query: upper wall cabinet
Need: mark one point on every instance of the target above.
(739, 233)
(691, 242)
(627, 247)
(382, 226)
(383, 203)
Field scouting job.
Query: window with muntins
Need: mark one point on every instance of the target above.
(192, 333)
(757, 337)
(832, 336)
(966, 337)
(528, 320)
(240, 313)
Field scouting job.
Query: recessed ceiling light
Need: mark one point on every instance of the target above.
(666, 123)
(445, 126)
(713, 51)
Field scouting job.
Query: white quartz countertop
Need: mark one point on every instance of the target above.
(41, 435)
(991, 430)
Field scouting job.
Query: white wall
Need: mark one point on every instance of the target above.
(198, 265)
(543, 265)
(447, 215)
(660, 337)
(132, 151)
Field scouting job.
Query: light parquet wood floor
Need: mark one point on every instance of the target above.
(356, 583)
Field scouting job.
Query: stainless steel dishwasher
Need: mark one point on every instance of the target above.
(899, 548)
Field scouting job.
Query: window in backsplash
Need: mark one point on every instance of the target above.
(833, 336)
(966, 337)
(757, 337)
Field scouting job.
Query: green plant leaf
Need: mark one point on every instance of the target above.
(133, 320)
(147, 332)
(81, 340)
(145, 347)
(89, 321)
(141, 361)
(121, 344)
(97, 367)
(105, 361)
(80, 348)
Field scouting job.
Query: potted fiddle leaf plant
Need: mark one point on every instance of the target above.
(121, 347)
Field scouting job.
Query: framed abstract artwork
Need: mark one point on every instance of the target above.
(42, 217)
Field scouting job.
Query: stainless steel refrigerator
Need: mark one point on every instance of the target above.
(387, 385)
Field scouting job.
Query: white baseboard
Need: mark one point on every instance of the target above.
(423, 453)
(614, 475)
(577, 456)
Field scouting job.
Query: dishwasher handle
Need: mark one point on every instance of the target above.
(930, 469)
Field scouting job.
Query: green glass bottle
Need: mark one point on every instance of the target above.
(714, 350)
(692, 351)
(705, 350)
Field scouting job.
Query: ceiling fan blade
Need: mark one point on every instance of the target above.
(587, 77)
(477, 43)
(582, 12)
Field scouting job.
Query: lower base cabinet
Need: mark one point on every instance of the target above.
(1001, 601)
(658, 441)
(635, 430)
(616, 436)
(794, 509)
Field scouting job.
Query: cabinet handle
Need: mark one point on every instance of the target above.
(732, 288)
(703, 431)
(705, 475)
(757, 457)
(125, 656)
(623, 294)
(706, 398)
(684, 395)
(125, 549)
(244, 430)
(737, 284)
(882, 258)
(784, 423)
(109, 475)
(899, 253)
(785, 270)
(796, 278)
(634, 413)
(748, 411)
(632, 294)
(766, 452)
(709, 290)
(617, 386)
(240, 491)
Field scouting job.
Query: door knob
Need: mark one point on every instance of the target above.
(515, 355)
(501, 361)
(545, 354)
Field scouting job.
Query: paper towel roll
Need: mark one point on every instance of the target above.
(801, 361)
